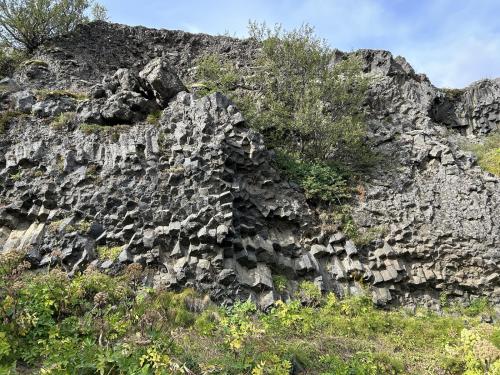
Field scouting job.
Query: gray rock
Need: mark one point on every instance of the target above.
(127, 80)
(350, 248)
(54, 107)
(125, 107)
(161, 80)
(23, 101)
(197, 194)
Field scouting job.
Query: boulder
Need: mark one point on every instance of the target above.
(161, 80)
(23, 101)
(54, 107)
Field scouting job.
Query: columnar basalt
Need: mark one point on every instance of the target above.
(196, 197)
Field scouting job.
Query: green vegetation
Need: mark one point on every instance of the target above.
(108, 253)
(453, 94)
(177, 169)
(63, 120)
(44, 94)
(10, 59)
(27, 24)
(99, 12)
(6, 117)
(154, 118)
(16, 176)
(488, 153)
(280, 283)
(81, 227)
(307, 106)
(320, 181)
(368, 235)
(99, 324)
(60, 162)
(213, 74)
(35, 62)
(113, 131)
(309, 111)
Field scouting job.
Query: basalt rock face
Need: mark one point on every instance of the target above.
(439, 209)
(83, 57)
(473, 111)
(197, 200)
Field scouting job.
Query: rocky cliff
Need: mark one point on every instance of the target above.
(196, 198)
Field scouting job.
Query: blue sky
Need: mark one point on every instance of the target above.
(455, 42)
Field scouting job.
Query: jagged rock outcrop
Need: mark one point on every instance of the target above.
(439, 208)
(475, 110)
(197, 200)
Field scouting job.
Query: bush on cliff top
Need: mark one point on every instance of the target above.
(99, 324)
(27, 24)
(306, 104)
(308, 109)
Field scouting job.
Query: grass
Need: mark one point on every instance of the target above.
(80, 227)
(488, 153)
(96, 323)
(4, 89)
(63, 120)
(368, 235)
(16, 176)
(175, 169)
(45, 94)
(113, 131)
(453, 94)
(35, 62)
(108, 253)
(6, 117)
(154, 118)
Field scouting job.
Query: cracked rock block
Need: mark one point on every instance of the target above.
(161, 80)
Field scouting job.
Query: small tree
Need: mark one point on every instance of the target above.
(27, 24)
(99, 12)
(307, 105)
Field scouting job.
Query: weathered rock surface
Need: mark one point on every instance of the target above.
(196, 199)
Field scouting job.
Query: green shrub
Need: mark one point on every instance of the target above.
(453, 94)
(271, 364)
(320, 181)
(477, 307)
(29, 24)
(154, 118)
(10, 59)
(97, 323)
(99, 12)
(342, 216)
(307, 110)
(365, 237)
(215, 75)
(280, 283)
(9, 261)
(309, 293)
(5, 119)
(488, 153)
(108, 253)
(63, 120)
(305, 106)
(495, 338)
